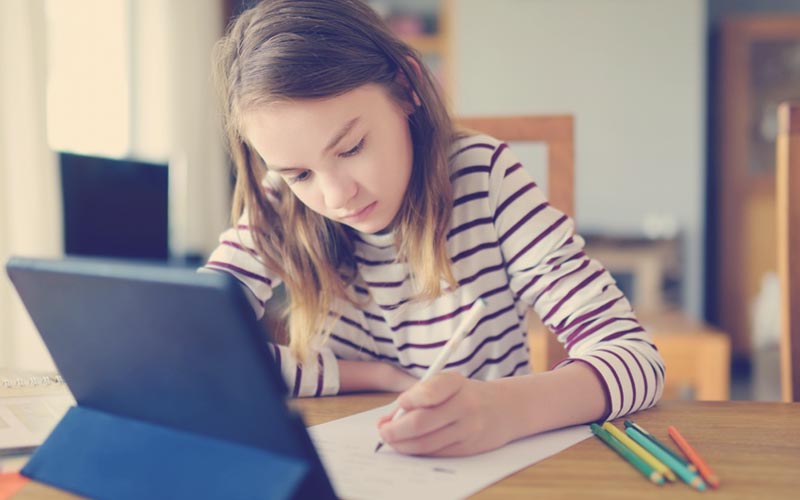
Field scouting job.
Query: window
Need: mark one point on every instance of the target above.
(88, 80)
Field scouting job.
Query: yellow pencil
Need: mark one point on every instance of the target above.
(641, 452)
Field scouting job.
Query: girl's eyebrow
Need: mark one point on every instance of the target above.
(332, 144)
(342, 133)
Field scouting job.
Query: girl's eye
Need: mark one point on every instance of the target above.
(305, 174)
(302, 176)
(354, 151)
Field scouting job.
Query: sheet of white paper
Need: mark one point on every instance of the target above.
(346, 447)
(26, 421)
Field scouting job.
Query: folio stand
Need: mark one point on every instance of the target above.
(100, 455)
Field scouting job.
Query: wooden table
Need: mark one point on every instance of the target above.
(753, 447)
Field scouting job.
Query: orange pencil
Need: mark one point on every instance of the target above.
(693, 457)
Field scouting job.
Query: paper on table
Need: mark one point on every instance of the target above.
(346, 447)
(26, 421)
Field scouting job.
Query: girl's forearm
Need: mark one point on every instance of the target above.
(355, 376)
(540, 402)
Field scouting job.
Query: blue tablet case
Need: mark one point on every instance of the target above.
(100, 455)
(172, 377)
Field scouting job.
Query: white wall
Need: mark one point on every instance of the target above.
(633, 74)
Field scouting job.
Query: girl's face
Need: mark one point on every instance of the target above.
(348, 157)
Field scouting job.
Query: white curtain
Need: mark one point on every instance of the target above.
(175, 117)
(30, 215)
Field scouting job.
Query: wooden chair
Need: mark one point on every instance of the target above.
(697, 355)
(788, 203)
(557, 133)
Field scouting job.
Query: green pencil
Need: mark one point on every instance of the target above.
(691, 478)
(613, 443)
(686, 463)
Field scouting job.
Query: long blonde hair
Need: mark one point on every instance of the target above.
(310, 49)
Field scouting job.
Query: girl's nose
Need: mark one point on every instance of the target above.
(338, 190)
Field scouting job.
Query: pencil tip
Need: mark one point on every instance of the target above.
(699, 484)
(378, 447)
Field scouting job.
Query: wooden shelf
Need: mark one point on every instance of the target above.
(427, 44)
(435, 48)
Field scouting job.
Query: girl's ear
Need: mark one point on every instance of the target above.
(402, 79)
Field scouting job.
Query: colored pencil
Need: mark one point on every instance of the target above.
(687, 464)
(643, 454)
(694, 457)
(612, 442)
(689, 477)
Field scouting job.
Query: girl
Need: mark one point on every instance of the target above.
(386, 224)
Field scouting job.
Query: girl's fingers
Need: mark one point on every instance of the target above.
(386, 418)
(420, 422)
(432, 392)
(429, 444)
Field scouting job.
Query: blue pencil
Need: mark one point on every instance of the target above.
(686, 463)
(691, 478)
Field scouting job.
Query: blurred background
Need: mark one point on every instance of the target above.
(110, 145)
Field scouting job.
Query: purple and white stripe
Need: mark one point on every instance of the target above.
(507, 245)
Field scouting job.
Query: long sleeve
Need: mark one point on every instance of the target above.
(235, 255)
(575, 297)
(318, 377)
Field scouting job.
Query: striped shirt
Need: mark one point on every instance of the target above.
(508, 246)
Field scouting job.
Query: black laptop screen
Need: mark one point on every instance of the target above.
(114, 207)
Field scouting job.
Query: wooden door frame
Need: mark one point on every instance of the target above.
(733, 181)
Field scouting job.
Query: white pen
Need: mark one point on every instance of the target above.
(449, 347)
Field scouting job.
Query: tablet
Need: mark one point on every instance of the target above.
(165, 345)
